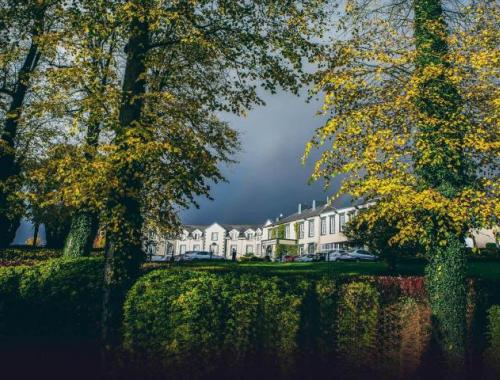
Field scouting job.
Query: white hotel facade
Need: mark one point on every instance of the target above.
(313, 228)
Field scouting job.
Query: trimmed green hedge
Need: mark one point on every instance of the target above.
(206, 319)
(59, 299)
(27, 255)
(492, 354)
(195, 323)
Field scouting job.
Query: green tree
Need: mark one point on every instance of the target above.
(22, 28)
(176, 64)
(377, 237)
(413, 126)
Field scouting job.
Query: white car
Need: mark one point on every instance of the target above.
(200, 255)
(338, 255)
(306, 258)
(362, 255)
(158, 258)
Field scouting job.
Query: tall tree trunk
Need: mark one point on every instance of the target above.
(441, 164)
(81, 235)
(124, 249)
(35, 234)
(9, 170)
(84, 223)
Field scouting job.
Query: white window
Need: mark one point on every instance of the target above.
(332, 224)
(214, 248)
(341, 222)
(249, 235)
(301, 230)
(196, 247)
(323, 226)
(215, 236)
(310, 248)
(233, 235)
(287, 231)
(182, 249)
(249, 248)
(311, 228)
(327, 247)
(270, 233)
(301, 249)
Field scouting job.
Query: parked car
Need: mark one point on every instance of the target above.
(339, 255)
(362, 255)
(200, 255)
(158, 258)
(288, 259)
(307, 258)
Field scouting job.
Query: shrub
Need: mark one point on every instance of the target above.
(250, 257)
(358, 314)
(492, 354)
(57, 299)
(415, 333)
(192, 321)
(10, 300)
(27, 255)
(326, 293)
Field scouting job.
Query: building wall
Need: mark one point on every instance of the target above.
(224, 242)
(215, 237)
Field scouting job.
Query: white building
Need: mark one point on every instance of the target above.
(311, 229)
(315, 228)
(221, 239)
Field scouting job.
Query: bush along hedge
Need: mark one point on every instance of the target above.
(197, 324)
(492, 354)
(358, 315)
(59, 299)
(27, 255)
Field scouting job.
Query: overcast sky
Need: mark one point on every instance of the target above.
(269, 178)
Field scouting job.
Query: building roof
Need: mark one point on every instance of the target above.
(228, 227)
(343, 201)
(241, 227)
(193, 227)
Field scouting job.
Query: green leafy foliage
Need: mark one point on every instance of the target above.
(27, 256)
(493, 352)
(203, 319)
(446, 282)
(359, 310)
(58, 299)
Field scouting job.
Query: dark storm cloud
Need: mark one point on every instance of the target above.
(269, 178)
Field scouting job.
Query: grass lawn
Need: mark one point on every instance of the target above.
(488, 270)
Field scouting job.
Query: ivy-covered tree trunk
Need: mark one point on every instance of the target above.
(81, 234)
(446, 281)
(9, 168)
(441, 165)
(84, 223)
(124, 249)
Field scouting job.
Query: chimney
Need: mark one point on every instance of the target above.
(314, 205)
(300, 208)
